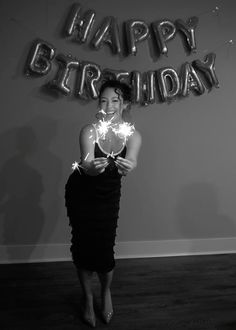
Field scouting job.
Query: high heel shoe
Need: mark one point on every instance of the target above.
(107, 316)
(87, 312)
(107, 309)
(90, 320)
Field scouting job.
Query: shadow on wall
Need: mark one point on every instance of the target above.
(198, 213)
(29, 201)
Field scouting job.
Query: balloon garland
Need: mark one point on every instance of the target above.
(164, 84)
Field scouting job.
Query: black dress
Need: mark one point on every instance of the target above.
(92, 204)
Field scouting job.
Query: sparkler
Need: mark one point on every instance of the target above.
(102, 112)
(111, 155)
(86, 156)
(77, 166)
(124, 130)
(103, 128)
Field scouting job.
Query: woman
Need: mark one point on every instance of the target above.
(93, 193)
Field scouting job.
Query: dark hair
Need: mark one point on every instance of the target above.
(120, 88)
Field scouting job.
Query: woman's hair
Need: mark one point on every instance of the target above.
(120, 88)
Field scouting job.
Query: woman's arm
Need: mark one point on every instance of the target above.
(133, 145)
(92, 166)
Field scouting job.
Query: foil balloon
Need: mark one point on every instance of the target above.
(188, 29)
(208, 68)
(136, 83)
(88, 78)
(169, 84)
(110, 74)
(164, 31)
(190, 80)
(66, 65)
(40, 57)
(78, 24)
(149, 87)
(136, 31)
(107, 33)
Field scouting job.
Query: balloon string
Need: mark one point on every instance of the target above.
(229, 43)
(24, 27)
(215, 11)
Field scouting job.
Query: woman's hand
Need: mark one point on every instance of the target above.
(124, 165)
(96, 166)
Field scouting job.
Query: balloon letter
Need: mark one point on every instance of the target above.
(168, 89)
(190, 80)
(163, 31)
(114, 74)
(208, 68)
(149, 87)
(89, 76)
(107, 33)
(136, 82)
(40, 57)
(136, 31)
(81, 24)
(188, 29)
(66, 64)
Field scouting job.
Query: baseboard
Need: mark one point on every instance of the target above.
(134, 249)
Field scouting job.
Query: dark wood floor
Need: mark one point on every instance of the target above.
(195, 292)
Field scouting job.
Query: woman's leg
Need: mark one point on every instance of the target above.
(85, 278)
(106, 280)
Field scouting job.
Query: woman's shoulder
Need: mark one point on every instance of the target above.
(134, 139)
(136, 135)
(88, 127)
(87, 130)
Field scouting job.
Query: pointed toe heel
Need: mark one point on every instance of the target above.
(90, 320)
(107, 316)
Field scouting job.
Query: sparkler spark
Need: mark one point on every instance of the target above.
(102, 112)
(75, 166)
(86, 156)
(124, 130)
(103, 128)
(111, 155)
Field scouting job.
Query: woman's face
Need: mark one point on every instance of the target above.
(112, 103)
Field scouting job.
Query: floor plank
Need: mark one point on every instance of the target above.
(194, 292)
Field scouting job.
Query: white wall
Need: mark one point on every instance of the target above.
(185, 185)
